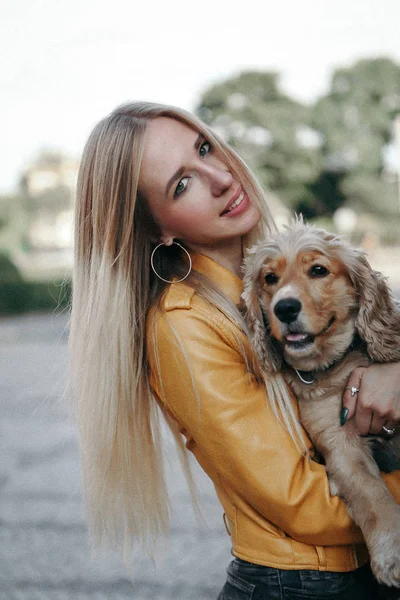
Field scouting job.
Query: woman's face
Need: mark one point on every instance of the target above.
(191, 193)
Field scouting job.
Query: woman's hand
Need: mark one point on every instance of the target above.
(377, 404)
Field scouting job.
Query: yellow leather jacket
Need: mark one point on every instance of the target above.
(277, 504)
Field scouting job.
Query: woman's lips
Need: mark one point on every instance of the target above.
(237, 205)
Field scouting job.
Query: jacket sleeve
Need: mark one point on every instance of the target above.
(204, 383)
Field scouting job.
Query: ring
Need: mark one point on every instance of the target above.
(389, 431)
(353, 390)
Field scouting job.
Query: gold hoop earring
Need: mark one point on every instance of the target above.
(168, 280)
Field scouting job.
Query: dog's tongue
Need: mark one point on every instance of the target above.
(296, 337)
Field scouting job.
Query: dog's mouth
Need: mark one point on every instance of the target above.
(300, 339)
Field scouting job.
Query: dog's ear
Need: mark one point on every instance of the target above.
(259, 336)
(378, 319)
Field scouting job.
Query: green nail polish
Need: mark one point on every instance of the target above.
(343, 415)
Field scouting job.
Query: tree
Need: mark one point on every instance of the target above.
(316, 158)
(269, 130)
(355, 119)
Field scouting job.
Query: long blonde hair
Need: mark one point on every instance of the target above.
(113, 290)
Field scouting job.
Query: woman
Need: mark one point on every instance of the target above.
(161, 199)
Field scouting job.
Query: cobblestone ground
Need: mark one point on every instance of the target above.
(44, 550)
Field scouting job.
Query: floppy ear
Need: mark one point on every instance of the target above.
(378, 319)
(259, 336)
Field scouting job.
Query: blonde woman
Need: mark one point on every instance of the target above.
(165, 211)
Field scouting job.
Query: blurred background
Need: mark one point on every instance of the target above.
(308, 93)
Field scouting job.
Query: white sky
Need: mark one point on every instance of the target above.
(66, 63)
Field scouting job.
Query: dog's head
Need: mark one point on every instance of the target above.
(306, 292)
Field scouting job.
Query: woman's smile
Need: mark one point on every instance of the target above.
(237, 205)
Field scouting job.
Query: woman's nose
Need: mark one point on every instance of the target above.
(221, 180)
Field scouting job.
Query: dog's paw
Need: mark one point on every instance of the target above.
(385, 559)
(388, 573)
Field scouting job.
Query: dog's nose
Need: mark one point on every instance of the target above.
(287, 309)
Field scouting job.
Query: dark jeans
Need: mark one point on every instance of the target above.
(247, 581)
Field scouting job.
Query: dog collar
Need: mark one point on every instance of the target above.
(306, 377)
(309, 377)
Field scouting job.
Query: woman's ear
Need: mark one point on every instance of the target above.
(268, 358)
(167, 239)
(378, 319)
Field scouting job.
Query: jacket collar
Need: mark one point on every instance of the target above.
(229, 283)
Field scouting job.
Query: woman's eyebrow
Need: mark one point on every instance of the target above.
(199, 140)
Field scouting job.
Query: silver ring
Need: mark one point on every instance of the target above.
(389, 431)
(353, 390)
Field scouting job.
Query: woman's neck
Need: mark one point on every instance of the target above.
(229, 255)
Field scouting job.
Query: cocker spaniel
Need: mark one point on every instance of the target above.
(316, 310)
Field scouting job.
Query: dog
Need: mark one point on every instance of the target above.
(315, 311)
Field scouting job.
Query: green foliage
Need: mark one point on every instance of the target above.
(389, 231)
(17, 295)
(356, 119)
(14, 219)
(356, 116)
(245, 93)
(327, 195)
(4, 214)
(369, 194)
(27, 296)
(52, 200)
(268, 129)
(315, 157)
(9, 273)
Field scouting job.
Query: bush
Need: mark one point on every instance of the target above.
(18, 295)
(25, 296)
(8, 271)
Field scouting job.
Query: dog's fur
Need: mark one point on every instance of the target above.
(347, 310)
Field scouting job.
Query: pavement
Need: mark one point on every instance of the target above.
(44, 548)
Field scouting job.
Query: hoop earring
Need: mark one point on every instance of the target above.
(168, 280)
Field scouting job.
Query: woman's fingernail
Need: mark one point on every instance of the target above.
(343, 415)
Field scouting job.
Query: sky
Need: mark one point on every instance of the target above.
(64, 64)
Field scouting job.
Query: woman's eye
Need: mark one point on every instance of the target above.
(204, 149)
(270, 278)
(318, 271)
(181, 187)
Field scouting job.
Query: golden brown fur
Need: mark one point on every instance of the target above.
(313, 304)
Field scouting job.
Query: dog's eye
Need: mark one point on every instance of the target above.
(270, 278)
(318, 271)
